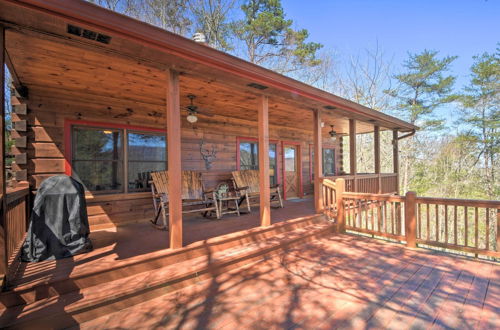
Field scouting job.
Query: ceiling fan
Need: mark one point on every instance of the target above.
(194, 111)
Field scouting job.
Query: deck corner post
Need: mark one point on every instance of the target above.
(395, 156)
(318, 162)
(174, 159)
(376, 138)
(410, 219)
(339, 196)
(265, 193)
(352, 152)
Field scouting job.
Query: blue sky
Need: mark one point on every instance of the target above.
(453, 27)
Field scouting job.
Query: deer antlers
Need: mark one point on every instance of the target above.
(208, 155)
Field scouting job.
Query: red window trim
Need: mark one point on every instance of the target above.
(69, 123)
(299, 165)
(311, 149)
(240, 139)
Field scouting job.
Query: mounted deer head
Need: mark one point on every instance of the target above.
(208, 155)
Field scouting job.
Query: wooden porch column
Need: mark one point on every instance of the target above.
(395, 156)
(265, 195)
(174, 159)
(352, 151)
(318, 162)
(3, 183)
(376, 138)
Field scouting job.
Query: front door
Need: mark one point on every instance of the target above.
(291, 171)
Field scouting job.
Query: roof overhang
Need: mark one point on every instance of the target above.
(115, 24)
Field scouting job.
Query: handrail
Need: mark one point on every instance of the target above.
(463, 225)
(460, 202)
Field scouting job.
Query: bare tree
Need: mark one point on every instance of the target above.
(211, 18)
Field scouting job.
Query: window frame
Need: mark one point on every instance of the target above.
(311, 168)
(243, 139)
(68, 147)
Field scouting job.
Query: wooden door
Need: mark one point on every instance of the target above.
(291, 171)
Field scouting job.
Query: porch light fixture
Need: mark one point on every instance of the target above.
(192, 118)
(333, 134)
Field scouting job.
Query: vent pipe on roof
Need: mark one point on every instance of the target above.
(200, 38)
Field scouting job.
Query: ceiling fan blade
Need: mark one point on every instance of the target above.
(205, 112)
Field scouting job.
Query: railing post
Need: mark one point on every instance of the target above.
(339, 200)
(410, 219)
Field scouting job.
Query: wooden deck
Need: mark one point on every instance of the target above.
(130, 243)
(340, 281)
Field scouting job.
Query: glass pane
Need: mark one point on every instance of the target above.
(148, 147)
(290, 159)
(273, 173)
(97, 144)
(105, 176)
(139, 174)
(249, 158)
(329, 161)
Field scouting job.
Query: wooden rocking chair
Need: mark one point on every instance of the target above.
(194, 196)
(247, 182)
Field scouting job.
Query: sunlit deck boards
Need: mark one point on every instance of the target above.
(340, 281)
(127, 244)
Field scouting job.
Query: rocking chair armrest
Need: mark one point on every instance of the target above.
(241, 188)
(208, 191)
(275, 186)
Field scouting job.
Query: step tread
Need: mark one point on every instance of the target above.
(66, 267)
(93, 296)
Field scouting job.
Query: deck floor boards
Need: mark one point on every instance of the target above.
(124, 244)
(339, 281)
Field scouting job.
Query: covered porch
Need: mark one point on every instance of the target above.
(108, 106)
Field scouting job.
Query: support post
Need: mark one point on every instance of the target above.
(3, 178)
(339, 192)
(376, 138)
(352, 152)
(265, 195)
(395, 156)
(318, 162)
(174, 159)
(410, 219)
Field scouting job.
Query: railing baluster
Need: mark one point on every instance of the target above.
(419, 220)
(437, 222)
(476, 229)
(428, 223)
(393, 217)
(466, 226)
(446, 238)
(487, 229)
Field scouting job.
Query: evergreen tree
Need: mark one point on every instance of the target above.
(268, 38)
(420, 90)
(481, 113)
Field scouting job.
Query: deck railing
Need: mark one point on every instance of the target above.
(369, 183)
(15, 222)
(469, 226)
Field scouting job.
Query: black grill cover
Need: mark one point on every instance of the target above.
(59, 226)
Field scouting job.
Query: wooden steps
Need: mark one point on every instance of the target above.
(101, 293)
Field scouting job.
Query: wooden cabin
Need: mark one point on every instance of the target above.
(108, 99)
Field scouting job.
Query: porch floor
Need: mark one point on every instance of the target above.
(340, 281)
(124, 244)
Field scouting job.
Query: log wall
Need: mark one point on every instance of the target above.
(48, 109)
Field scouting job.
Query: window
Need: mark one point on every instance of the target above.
(146, 154)
(116, 160)
(249, 158)
(328, 162)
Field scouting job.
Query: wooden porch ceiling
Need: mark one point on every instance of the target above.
(128, 79)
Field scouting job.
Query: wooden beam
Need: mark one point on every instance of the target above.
(352, 151)
(318, 162)
(265, 197)
(395, 156)
(376, 137)
(376, 150)
(174, 159)
(3, 178)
